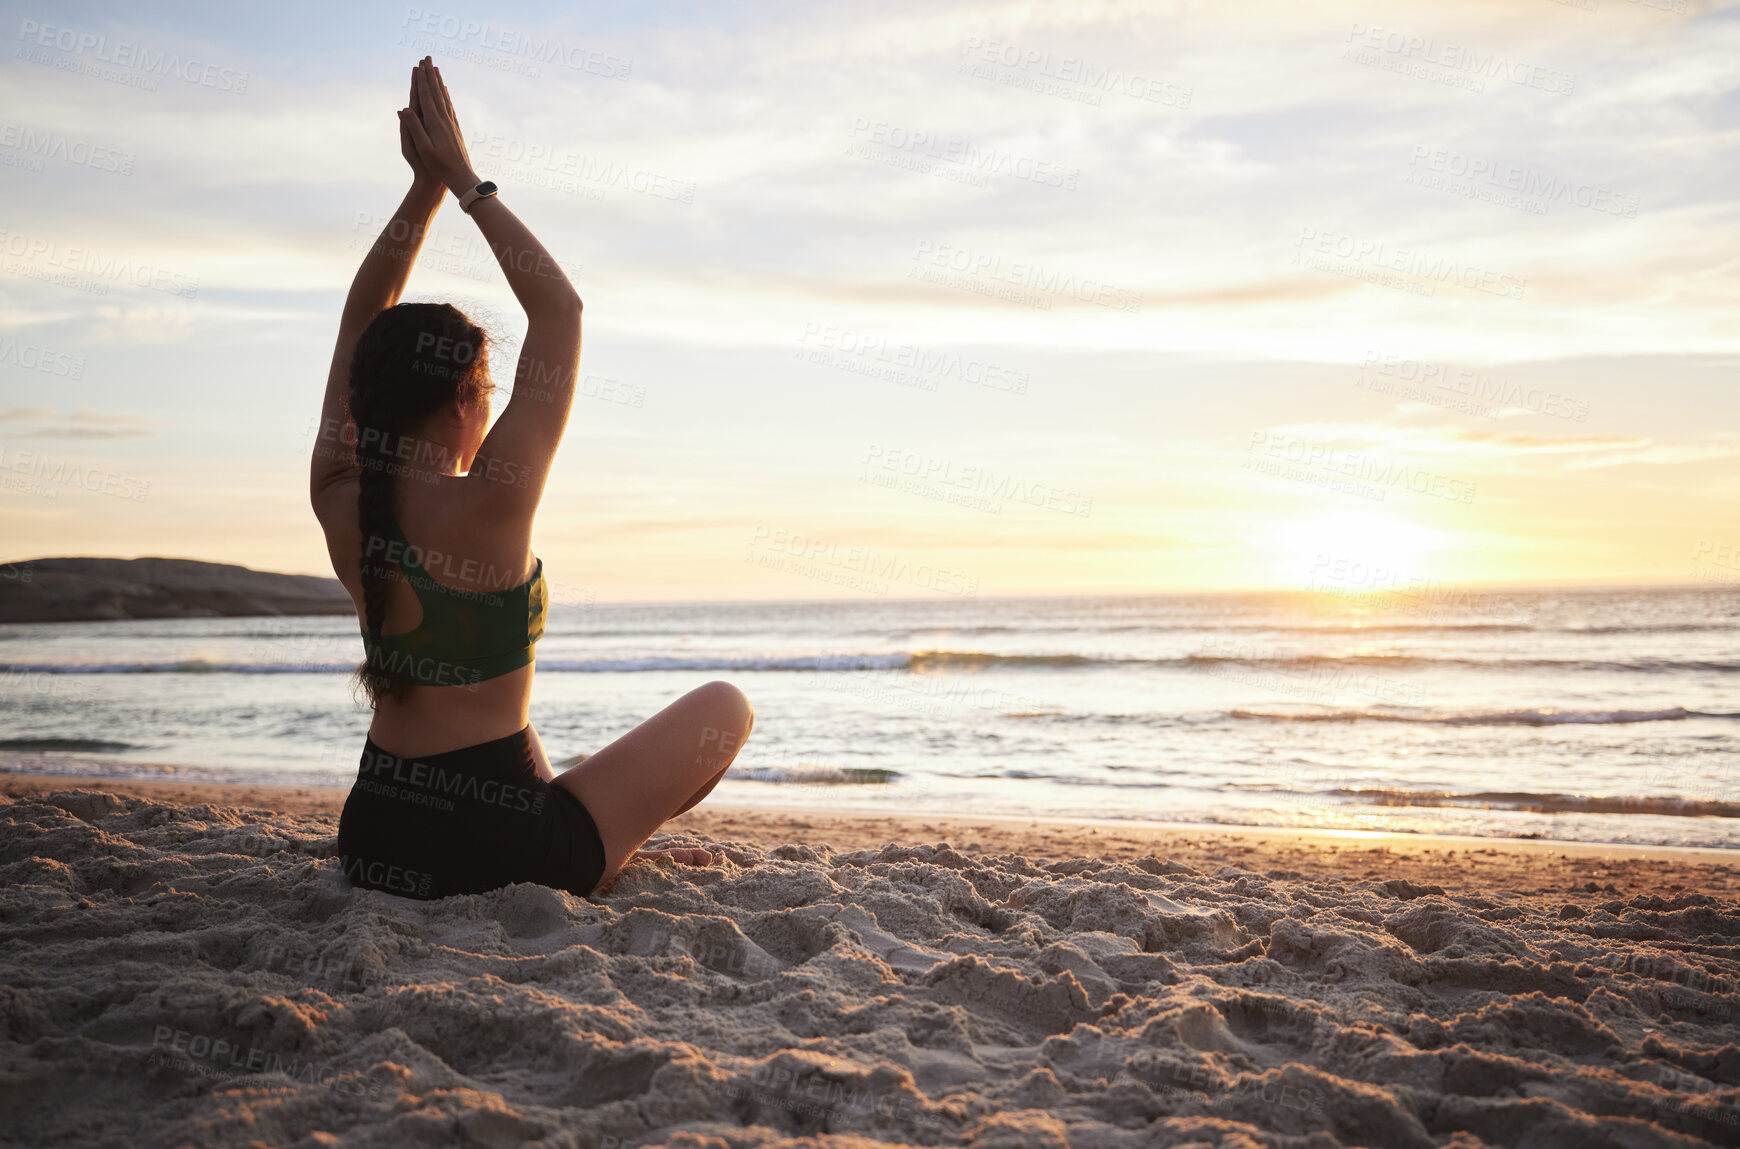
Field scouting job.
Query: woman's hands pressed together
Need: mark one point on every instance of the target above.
(429, 132)
(421, 177)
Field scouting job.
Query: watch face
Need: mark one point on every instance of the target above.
(486, 188)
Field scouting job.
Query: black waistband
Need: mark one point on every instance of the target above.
(506, 757)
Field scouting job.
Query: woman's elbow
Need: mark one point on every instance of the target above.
(563, 307)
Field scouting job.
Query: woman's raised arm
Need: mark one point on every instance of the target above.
(524, 440)
(536, 279)
(379, 283)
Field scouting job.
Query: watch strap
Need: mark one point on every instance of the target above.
(486, 188)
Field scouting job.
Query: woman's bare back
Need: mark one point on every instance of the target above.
(461, 545)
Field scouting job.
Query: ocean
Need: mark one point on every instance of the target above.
(1595, 715)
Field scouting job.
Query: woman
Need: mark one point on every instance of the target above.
(427, 512)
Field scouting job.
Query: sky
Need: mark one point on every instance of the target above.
(917, 299)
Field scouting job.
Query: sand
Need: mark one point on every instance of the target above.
(190, 968)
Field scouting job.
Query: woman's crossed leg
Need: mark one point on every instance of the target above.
(659, 769)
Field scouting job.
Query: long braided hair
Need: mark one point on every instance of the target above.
(410, 361)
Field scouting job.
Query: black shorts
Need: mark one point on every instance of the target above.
(464, 822)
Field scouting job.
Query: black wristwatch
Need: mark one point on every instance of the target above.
(483, 189)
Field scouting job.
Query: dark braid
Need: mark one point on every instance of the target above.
(410, 361)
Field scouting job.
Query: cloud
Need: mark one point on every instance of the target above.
(1600, 450)
(1520, 443)
(84, 423)
(1586, 451)
(1661, 454)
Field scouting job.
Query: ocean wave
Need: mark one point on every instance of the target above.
(65, 745)
(96, 770)
(1672, 806)
(843, 662)
(1540, 716)
(814, 775)
(923, 661)
(180, 666)
(977, 659)
(1307, 662)
(890, 661)
(1650, 628)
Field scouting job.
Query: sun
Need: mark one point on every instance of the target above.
(1351, 552)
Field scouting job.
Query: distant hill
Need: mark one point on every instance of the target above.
(82, 590)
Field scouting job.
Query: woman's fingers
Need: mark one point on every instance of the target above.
(442, 111)
(429, 100)
(442, 132)
(432, 81)
(438, 87)
(436, 130)
(453, 136)
(441, 87)
(412, 101)
(452, 116)
(419, 137)
(426, 102)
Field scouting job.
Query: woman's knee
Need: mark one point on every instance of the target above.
(726, 718)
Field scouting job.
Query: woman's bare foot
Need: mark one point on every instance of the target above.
(683, 857)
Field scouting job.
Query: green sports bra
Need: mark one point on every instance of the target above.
(466, 636)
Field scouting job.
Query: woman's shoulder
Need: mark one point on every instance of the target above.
(335, 505)
(463, 541)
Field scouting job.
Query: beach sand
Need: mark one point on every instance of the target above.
(184, 965)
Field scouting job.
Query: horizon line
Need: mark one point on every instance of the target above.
(1151, 592)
